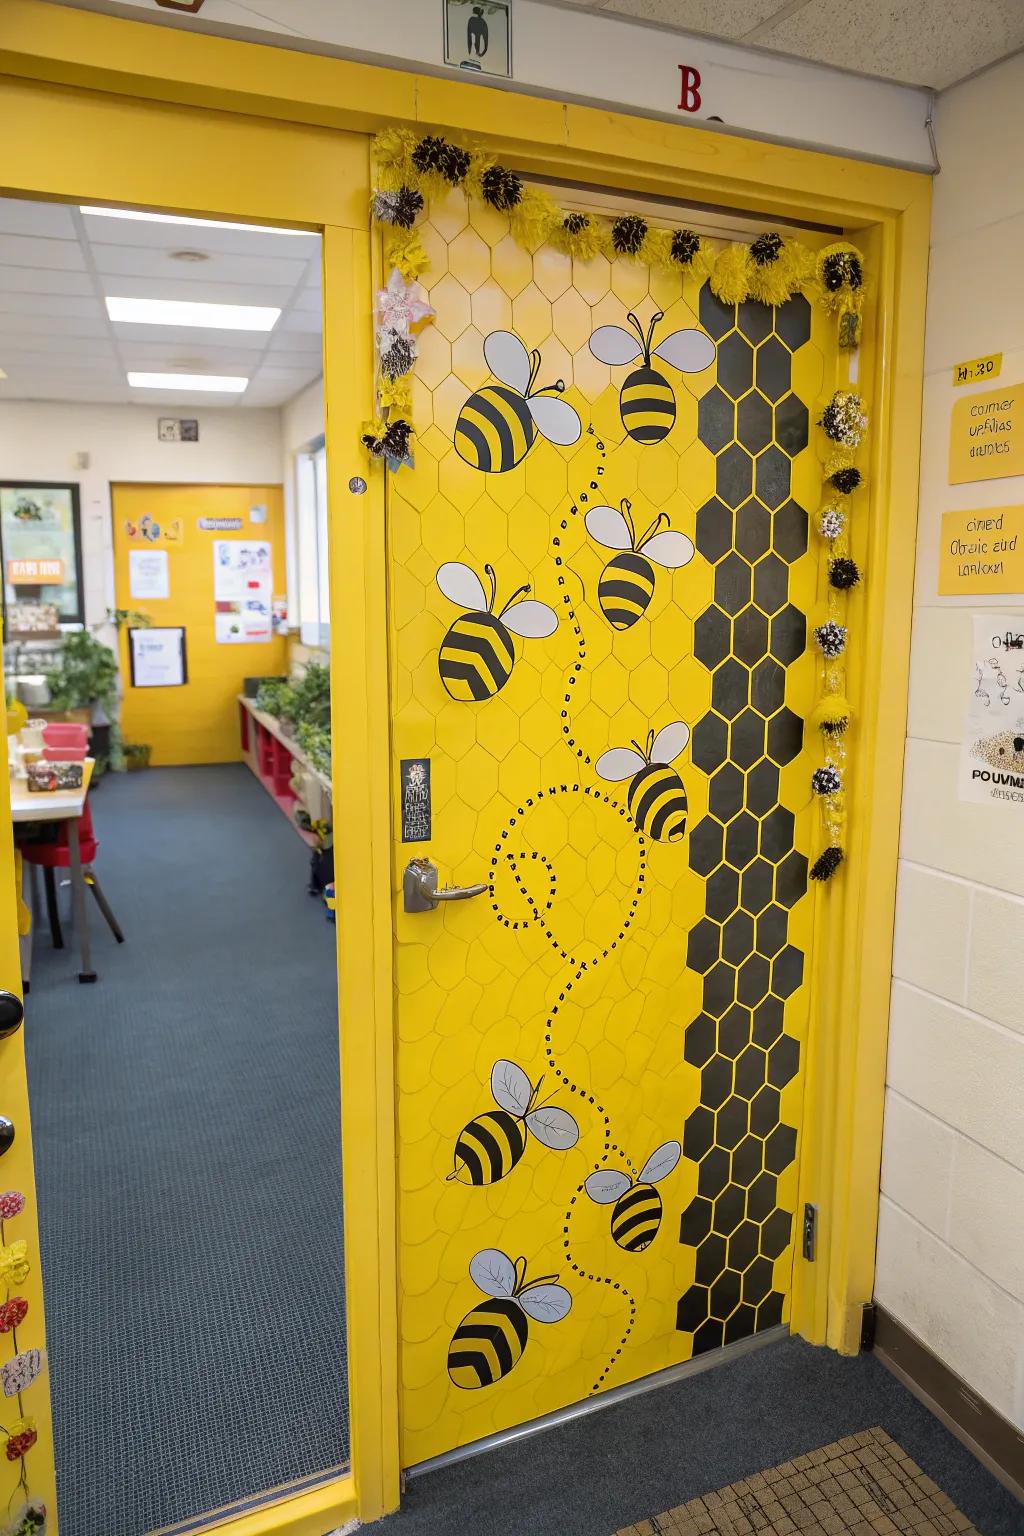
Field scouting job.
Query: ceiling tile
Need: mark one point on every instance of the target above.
(145, 235)
(51, 325)
(54, 304)
(137, 261)
(207, 292)
(915, 41)
(52, 220)
(717, 18)
(28, 251)
(43, 280)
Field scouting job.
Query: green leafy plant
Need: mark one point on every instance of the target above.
(276, 697)
(134, 620)
(313, 696)
(85, 675)
(315, 741)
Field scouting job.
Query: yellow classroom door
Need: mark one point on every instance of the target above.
(600, 644)
(228, 636)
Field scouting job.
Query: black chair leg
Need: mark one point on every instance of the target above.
(52, 910)
(104, 905)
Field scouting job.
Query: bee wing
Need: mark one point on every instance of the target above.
(511, 1087)
(555, 419)
(689, 351)
(493, 1271)
(619, 763)
(669, 742)
(545, 1303)
(607, 1185)
(668, 549)
(531, 620)
(661, 1162)
(611, 344)
(554, 1127)
(462, 586)
(508, 360)
(608, 527)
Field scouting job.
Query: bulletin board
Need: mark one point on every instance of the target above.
(197, 722)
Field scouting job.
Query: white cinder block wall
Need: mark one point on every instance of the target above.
(951, 1229)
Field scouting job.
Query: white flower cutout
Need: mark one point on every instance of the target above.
(398, 308)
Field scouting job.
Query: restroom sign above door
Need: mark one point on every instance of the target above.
(478, 36)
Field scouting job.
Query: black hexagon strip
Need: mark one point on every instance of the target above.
(744, 846)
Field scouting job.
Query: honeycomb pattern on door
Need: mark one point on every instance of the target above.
(575, 965)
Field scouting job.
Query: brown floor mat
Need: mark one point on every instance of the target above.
(864, 1485)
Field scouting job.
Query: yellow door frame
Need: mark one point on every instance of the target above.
(92, 109)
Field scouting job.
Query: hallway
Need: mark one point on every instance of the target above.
(185, 1114)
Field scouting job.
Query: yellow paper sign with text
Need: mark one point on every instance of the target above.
(986, 436)
(978, 369)
(982, 552)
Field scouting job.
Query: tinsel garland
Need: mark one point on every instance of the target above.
(628, 234)
(843, 421)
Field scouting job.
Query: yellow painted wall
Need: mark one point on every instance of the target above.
(197, 723)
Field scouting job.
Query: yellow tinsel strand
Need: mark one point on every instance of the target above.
(730, 277)
(396, 395)
(839, 458)
(778, 280)
(534, 217)
(833, 710)
(392, 154)
(404, 250)
(582, 244)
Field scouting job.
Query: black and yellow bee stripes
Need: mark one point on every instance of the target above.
(647, 402)
(657, 802)
(625, 589)
(477, 656)
(489, 1147)
(487, 1343)
(498, 424)
(648, 405)
(627, 582)
(636, 1216)
(491, 1338)
(656, 796)
(495, 430)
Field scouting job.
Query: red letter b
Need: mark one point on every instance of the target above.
(689, 99)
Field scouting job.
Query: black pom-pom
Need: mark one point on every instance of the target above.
(825, 866)
(448, 160)
(393, 443)
(765, 249)
(398, 357)
(408, 204)
(629, 233)
(501, 188)
(846, 481)
(575, 223)
(843, 573)
(842, 269)
(684, 247)
(831, 638)
(826, 780)
(400, 207)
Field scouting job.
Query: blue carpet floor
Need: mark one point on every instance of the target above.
(185, 1116)
(636, 1459)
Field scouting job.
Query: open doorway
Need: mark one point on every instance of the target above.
(163, 522)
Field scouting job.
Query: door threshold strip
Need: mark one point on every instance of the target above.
(227, 1512)
(665, 1378)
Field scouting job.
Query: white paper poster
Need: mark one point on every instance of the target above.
(992, 752)
(149, 573)
(242, 591)
(157, 658)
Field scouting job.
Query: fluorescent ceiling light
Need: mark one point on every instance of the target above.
(209, 383)
(215, 317)
(171, 218)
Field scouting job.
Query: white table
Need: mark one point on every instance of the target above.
(59, 805)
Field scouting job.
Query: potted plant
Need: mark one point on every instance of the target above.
(84, 685)
(135, 755)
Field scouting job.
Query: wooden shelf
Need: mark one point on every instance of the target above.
(272, 756)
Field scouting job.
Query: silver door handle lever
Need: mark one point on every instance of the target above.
(420, 892)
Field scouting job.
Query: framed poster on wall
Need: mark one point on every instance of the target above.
(41, 546)
(157, 657)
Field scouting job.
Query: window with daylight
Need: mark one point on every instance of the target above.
(314, 571)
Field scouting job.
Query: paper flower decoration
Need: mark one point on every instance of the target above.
(21, 1437)
(11, 1204)
(13, 1313)
(398, 308)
